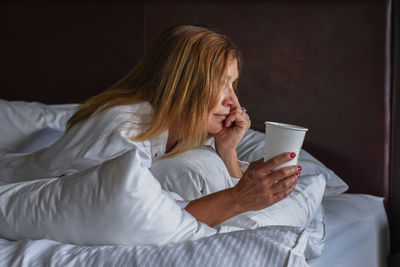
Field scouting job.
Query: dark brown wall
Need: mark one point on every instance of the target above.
(66, 52)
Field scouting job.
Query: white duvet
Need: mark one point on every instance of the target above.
(94, 206)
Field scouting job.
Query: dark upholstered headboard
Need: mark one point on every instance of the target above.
(326, 65)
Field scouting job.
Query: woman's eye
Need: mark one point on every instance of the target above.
(235, 86)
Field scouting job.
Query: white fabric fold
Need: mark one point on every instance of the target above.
(101, 137)
(273, 246)
(118, 202)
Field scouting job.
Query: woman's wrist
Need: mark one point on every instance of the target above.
(235, 201)
(215, 208)
(227, 154)
(231, 163)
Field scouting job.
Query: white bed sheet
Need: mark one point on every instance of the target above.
(357, 232)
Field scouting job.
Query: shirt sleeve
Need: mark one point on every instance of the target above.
(243, 165)
(178, 199)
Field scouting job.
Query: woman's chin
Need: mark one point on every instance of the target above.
(216, 128)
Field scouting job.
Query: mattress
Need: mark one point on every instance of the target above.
(357, 232)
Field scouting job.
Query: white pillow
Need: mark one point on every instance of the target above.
(117, 202)
(20, 120)
(251, 148)
(201, 171)
(193, 174)
(298, 209)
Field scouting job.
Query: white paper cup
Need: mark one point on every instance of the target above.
(281, 138)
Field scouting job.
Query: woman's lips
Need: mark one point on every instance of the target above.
(221, 116)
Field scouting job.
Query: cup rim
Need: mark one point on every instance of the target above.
(287, 126)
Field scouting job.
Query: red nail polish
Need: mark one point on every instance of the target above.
(292, 155)
(299, 168)
(295, 183)
(298, 174)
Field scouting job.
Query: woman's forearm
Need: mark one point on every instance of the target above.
(215, 208)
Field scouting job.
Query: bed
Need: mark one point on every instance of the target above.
(314, 237)
(319, 57)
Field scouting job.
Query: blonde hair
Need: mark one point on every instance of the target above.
(180, 76)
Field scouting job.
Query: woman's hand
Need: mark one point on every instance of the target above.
(226, 141)
(235, 127)
(259, 188)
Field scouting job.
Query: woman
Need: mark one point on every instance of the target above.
(180, 93)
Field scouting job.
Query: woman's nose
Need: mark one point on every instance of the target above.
(230, 99)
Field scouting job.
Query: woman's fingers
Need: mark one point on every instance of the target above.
(235, 127)
(233, 115)
(276, 161)
(236, 115)
(264, 170)
(281, 195)
(261, 187)
(277, 175)
(284, 185)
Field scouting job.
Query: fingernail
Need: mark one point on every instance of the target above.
(298, 174)
(299, 168)
(295, 183)
(292, 155)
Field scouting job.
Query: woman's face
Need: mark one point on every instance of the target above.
(226, 100)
